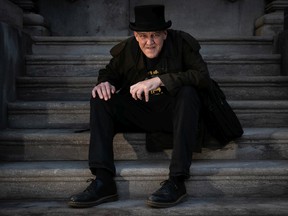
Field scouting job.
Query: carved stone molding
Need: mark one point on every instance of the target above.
(272, 22)
(26, 5)
(33, 23)
(277, 5)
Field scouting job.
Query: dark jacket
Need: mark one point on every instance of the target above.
(180, 64)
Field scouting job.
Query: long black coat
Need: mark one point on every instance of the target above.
(180, 65)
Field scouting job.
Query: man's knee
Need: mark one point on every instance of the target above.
(188, 93)
(112, 103)
(97, 104)
(95, 101)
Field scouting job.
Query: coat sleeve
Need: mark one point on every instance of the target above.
(111, 73)
(194, 69)
(121, 62)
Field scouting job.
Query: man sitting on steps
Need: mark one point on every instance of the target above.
(150, 85)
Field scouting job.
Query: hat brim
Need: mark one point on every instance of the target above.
(147, 28)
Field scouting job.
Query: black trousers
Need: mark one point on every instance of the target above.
(163, 113)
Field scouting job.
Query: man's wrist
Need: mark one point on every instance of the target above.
(160, 82)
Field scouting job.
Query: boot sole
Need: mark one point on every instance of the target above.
(110, 198)
(166, 205)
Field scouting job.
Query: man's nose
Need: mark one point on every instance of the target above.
(150, 40)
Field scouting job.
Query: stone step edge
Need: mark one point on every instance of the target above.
(134, 178)
(83, 106)
(88, 80)
(114, 39)
(231, 58)
(140, 170)
(75, 136)
(192, 206)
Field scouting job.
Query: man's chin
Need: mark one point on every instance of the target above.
(151, 55)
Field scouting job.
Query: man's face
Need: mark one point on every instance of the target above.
(151, 43)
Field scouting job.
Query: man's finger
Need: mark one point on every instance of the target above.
(110, 89)
(139, 94)
(94, 92)
(104, 91)
(146, 94)
(134, 94)
(113, 89)
(99, 92)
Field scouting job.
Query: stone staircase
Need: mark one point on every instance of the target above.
(44, 156)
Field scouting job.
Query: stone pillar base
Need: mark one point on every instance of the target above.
(282, 45)
(270, 24)
(35, 24)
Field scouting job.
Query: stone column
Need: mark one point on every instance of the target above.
(271, 23)
(282, 45)
(11, 54)
(33, 23)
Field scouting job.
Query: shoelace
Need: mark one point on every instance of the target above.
(92, 184)
(167, 183)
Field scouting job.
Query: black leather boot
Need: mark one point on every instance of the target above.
(170, 194)
(96, 193)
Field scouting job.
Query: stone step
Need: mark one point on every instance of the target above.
(65, 65)
(75, 114)
(60, 144)
(75, 45)
(102, 45)
(89, 65)
(79, 88)
(254, 88)
(192, 206)
(138, 179)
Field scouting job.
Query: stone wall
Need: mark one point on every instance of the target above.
(282, 45)
(85, 18)
(11, 54)
(202, 18)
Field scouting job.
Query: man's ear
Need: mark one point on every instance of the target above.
(135, 35)
(165, 34)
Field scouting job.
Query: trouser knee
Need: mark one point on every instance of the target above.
(188, 94)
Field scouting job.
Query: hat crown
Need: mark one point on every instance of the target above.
(149, 18)
(149, 14)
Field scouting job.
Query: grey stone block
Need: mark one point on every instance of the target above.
(137, 207)
(65, 65)
(137, 179)
(88, 65)
(102, 18)
(261, 113)
(101, 45)
(79, 88)
(244, 65)
(75, 114)
(87, 18)
(59, 144)
(49, 114)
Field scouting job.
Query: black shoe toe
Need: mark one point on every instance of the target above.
(96, 193)
(167, 196)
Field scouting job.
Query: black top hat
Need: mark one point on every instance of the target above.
(149, 18)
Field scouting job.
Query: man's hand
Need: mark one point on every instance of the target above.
(104, 90)
(144, 87)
